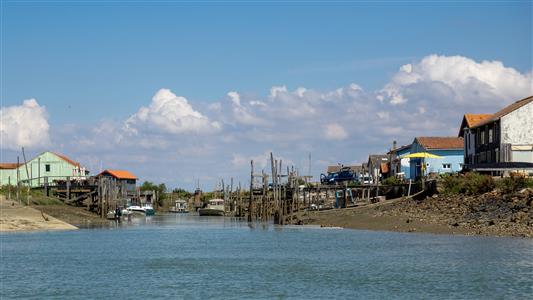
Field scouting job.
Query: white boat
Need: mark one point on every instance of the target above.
(146, 209)
(215, 207)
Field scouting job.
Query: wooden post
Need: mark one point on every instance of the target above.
(251, 191)
(46, 191)
(68, 188)
(39, 171)
(8, 187)
(18, 179)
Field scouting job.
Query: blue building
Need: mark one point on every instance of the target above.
(451, 150)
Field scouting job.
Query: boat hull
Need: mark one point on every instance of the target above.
(210, 212)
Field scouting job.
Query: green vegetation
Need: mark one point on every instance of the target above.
(391, 181)
(33, 196)
(514, 183)
(181, 193)
(469, 184)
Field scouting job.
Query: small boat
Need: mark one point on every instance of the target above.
(146, 209)
(124, 214)
(180, 206)
(215, 207)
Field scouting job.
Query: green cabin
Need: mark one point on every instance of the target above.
(45, 166)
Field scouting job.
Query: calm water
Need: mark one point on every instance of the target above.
(179, 256)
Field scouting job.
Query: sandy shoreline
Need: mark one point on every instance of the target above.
(15, 218)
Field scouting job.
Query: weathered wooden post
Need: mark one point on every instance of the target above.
(251, 191)
(46, 190)
(68, 188)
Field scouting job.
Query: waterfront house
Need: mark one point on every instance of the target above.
(47, 166)
(399, 166)
(503, 141)
(376, 166)
(450, 150)
(124, 180)
(469, 121)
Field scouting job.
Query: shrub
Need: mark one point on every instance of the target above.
(514, 183)
(470, 184)
(391, 181)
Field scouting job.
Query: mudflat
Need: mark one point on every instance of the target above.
(16, 217)
(492, 213)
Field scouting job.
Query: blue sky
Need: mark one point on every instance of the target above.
(94, 63)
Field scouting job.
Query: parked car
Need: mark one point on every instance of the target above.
(344, 174)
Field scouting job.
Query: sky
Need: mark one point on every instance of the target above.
(177, 91)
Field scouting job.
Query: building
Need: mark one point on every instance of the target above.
(450, 150)
(399, 166)
(124, 180)
(47, 166)
(503, 141)
(469, 121)
(377, 166)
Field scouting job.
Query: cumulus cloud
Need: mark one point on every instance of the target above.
(460, 79)
(241, 113)
(339, 125)
(171, 114)
(25, 125)
(335, 131)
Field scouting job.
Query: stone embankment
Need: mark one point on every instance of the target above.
(492, 213)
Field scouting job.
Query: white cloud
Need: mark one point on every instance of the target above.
(241, 114)
(339, 125)
(461, 79)
(335, 131)
(171, 114)
(25, 125)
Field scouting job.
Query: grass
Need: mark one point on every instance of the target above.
(35, 197)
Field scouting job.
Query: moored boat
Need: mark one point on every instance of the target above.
(180, 206)
(215, 207)
(146, 209)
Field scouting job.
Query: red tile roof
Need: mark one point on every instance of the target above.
(441, 142)
(70, 161)
(506, 110)
(9, 165)
(119, 174)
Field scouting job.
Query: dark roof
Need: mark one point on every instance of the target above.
(441, 142)
(337, 168)
(506, 110)
(377, 159)
(400, 148)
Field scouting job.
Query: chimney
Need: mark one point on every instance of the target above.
(393, 145)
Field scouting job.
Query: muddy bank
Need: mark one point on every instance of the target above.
(76, 216)
(15, 217)
(492, 213)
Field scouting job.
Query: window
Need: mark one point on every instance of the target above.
(446, 166)
(47, 167)
(497, 154)
(482, 137)
(490, 135)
